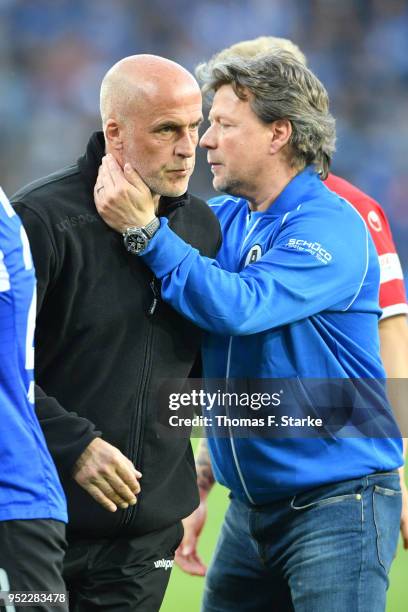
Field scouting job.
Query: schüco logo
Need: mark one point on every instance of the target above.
(314, 248)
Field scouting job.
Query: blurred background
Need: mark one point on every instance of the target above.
(54, 53)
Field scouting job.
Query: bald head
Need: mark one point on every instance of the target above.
(151, 110)
(137, 80)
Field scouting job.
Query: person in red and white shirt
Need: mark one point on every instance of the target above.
(393, 300)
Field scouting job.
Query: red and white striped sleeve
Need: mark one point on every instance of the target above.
(393, 300)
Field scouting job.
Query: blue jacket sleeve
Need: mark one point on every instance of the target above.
(293, 280)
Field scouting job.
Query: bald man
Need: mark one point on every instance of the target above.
(104, 339)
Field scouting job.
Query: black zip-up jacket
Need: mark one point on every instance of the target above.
(101, 352)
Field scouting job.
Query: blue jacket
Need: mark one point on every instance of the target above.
(293, 295)
(29, 484)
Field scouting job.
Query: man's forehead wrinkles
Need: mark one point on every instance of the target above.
(181, 117)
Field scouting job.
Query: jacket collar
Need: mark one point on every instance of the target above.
(89, 164)
(303, 186)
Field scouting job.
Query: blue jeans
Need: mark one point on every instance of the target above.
(326, 550)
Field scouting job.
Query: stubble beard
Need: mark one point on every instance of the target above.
(232, 187)
(158, 186)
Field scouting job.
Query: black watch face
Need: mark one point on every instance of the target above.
(135, 243)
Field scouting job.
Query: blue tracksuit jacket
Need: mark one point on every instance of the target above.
(293, 294)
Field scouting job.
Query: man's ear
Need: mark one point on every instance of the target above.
(113, 135)
(281, 131)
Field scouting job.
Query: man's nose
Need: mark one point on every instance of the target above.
(186, 146)
(207, 140)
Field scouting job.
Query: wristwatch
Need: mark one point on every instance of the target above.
(136, 239)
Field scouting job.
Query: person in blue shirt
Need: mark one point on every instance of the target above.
(33, 509)
(293, 295)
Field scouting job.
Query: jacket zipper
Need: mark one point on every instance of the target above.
(231, 437)
(155, 287)
(135, 448)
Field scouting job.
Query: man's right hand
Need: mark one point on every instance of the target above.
(187, 557)
(107, 475)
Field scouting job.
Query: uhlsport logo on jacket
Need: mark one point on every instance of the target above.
(164, 563)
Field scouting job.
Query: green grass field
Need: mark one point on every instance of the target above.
(184, 592)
